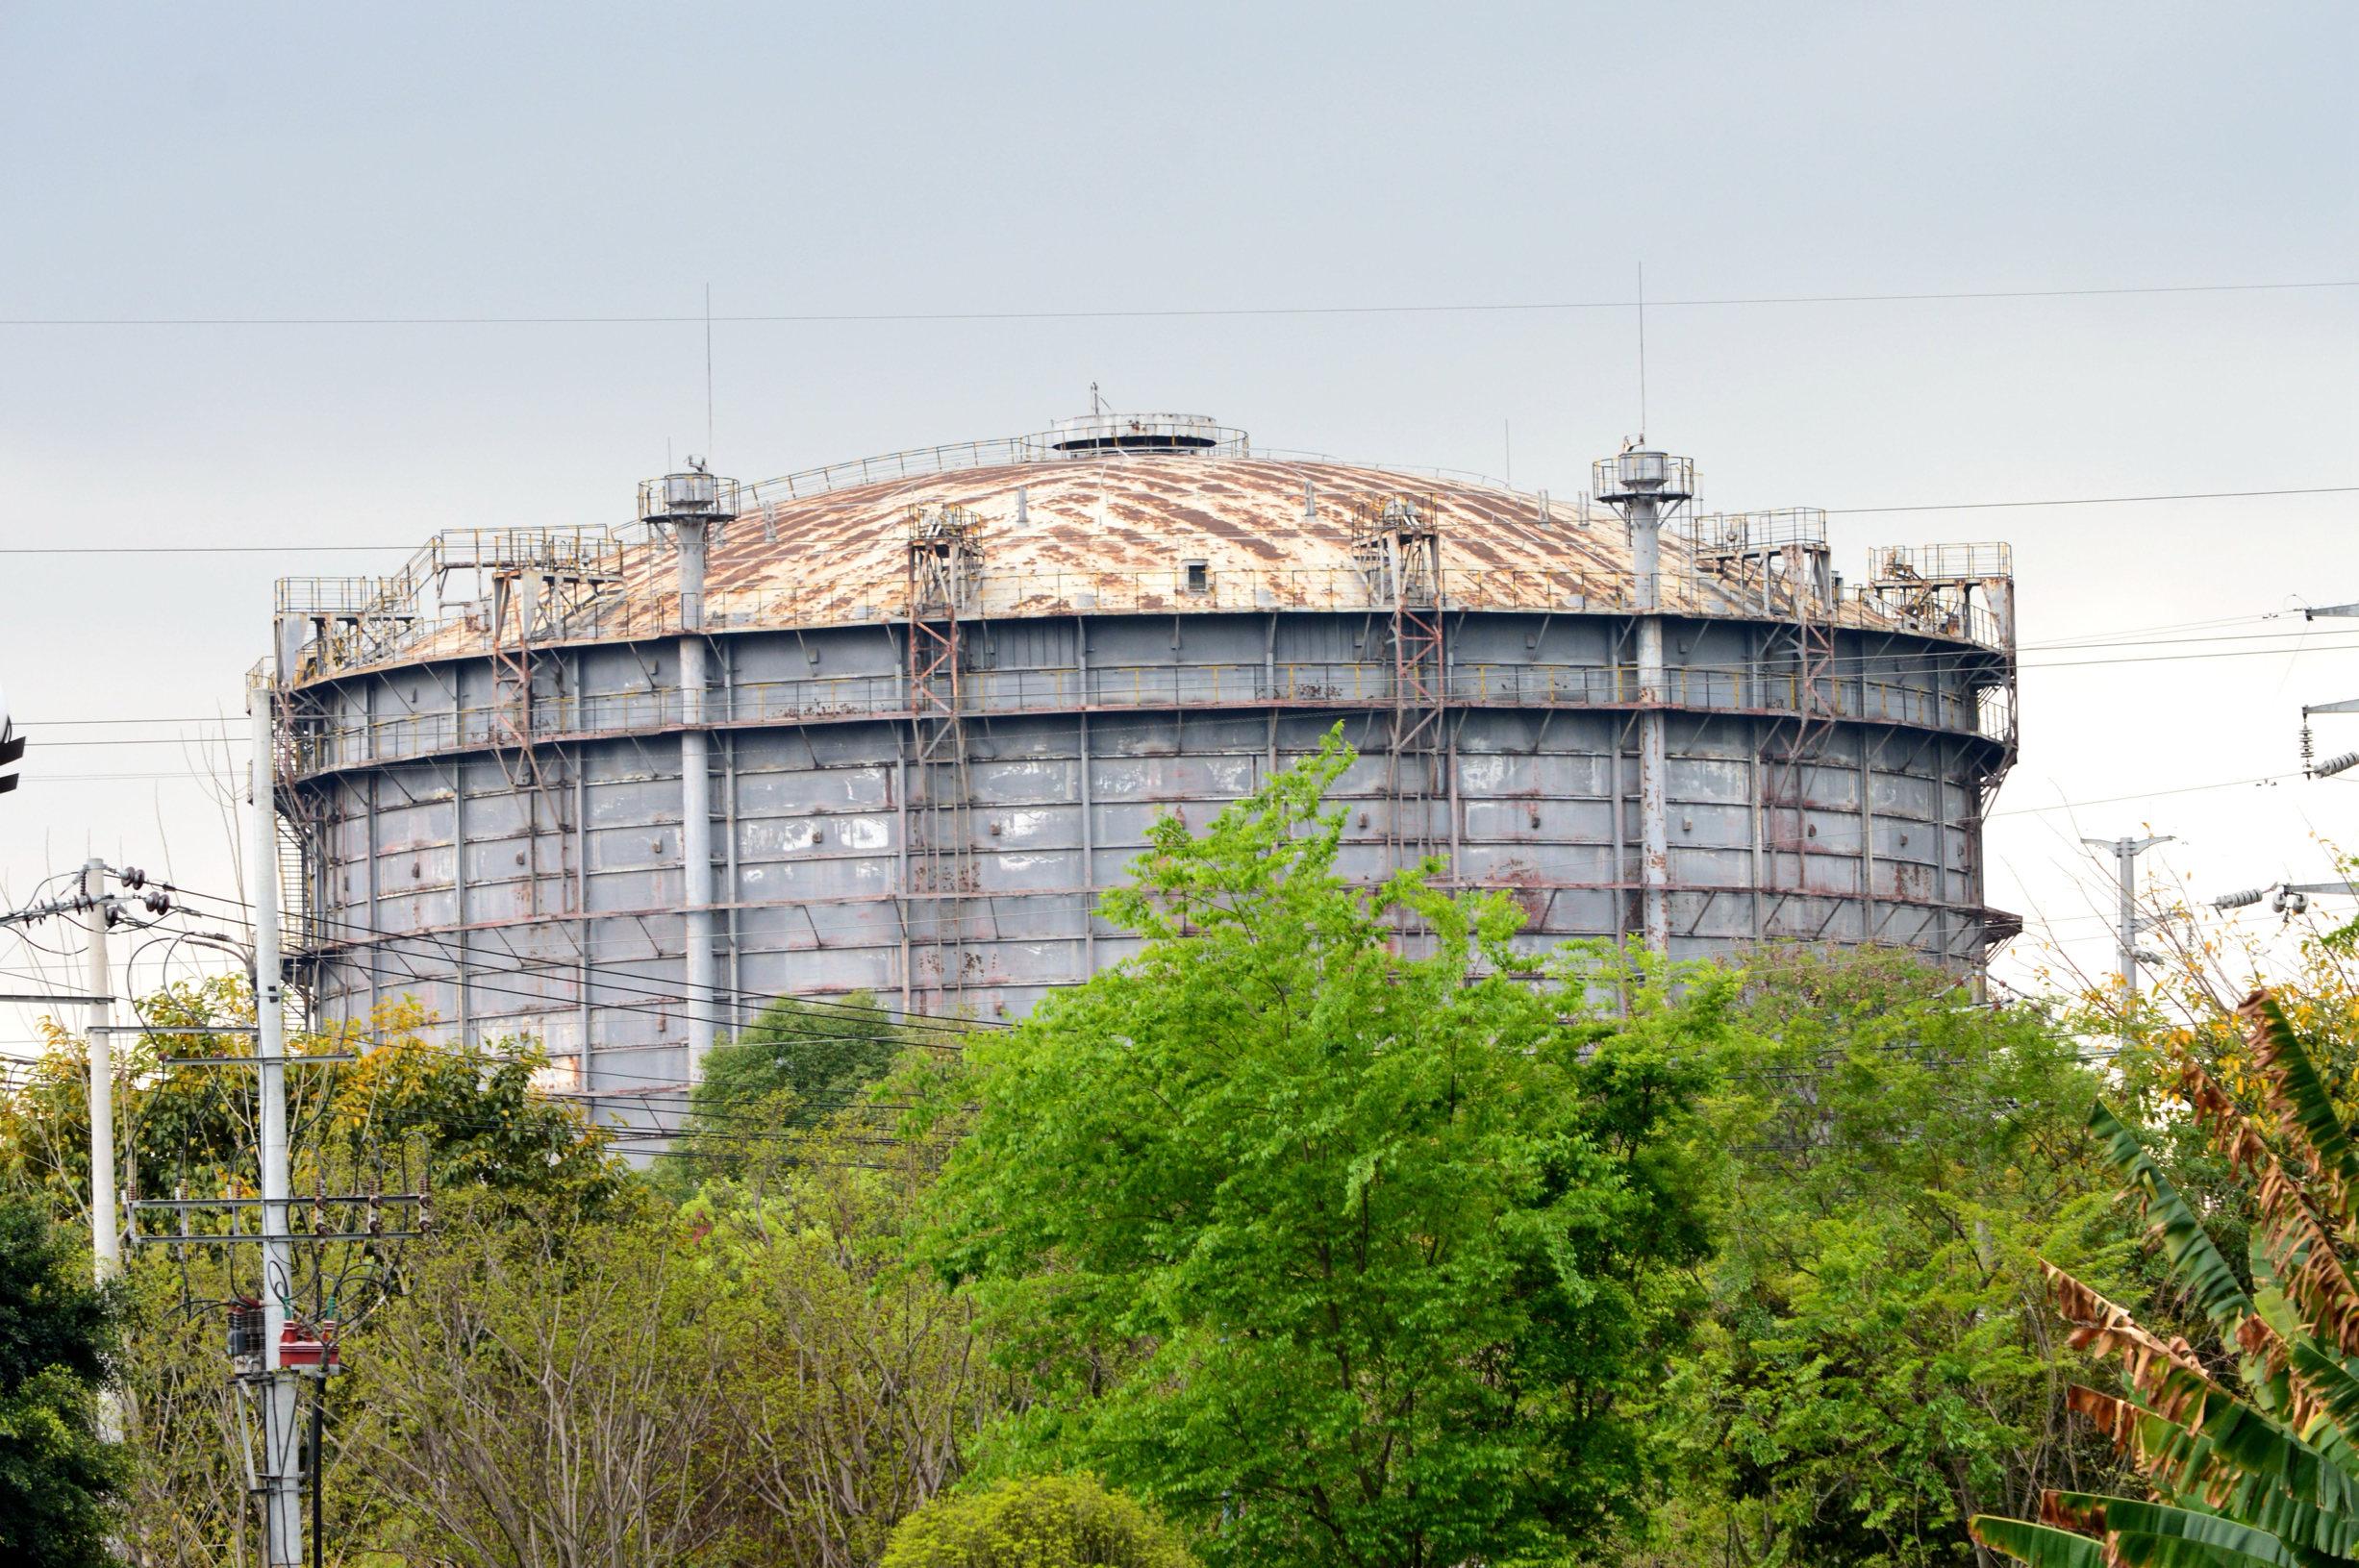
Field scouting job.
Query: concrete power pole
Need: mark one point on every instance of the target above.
(106, 1242)
(106, 1245)
(282, 1480)
(1646, 486)
(2127, 925)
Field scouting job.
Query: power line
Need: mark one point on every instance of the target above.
(2093, 641)
(482, 971)
(144, 740)
(2149, 794)
(1832, 512)
(2090, 500)
(1886, 663)
(611, 976)
(195, 549)
(182, 776)
(1199, 314)
(2172, 659)
(239, 723)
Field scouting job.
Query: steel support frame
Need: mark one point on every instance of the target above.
(1788, 744)
(944, 561)
(1397, 550)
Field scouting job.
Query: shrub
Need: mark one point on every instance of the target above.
(1035, 1522)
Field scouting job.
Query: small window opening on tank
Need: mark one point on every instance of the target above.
(1199, 576)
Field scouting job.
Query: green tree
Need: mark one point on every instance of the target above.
(1330, 1235)
(792, 1068)
(2264, 1468)
(475, 1117)
(548, 1391)
(58, 1335)
(857, 1380)
(1876, 1367)
(1035, 1522)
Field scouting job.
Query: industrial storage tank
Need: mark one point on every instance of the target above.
(890, 726)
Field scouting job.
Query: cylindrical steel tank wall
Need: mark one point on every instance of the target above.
(537, 891)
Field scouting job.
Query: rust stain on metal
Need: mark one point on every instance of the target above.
(1136, 514)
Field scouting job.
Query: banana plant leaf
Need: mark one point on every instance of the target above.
(2193, 1258)
(2265, 1476)
(2039, 1545)
(2158, 1521)
(2303, 1107)
(2135, 1549)
(2329, 1385)
(2243, 1467)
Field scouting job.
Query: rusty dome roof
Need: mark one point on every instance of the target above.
(1122, 514)
(1109, 530)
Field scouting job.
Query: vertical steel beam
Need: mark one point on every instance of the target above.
(1621, 821)
(458, 891)
(1089, 828)
(900, 798)
(736, 1008)
(583, 927)
(376, 955)
(1756, 806)
(695, 800)
(1654, 823)
(1866, 820)
(731, 1007)
(1941, 848)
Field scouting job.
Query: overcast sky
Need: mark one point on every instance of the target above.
(261, 163)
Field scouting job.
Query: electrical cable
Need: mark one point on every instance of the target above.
(663, 1002)
(235, 730)
(1849, 512)
(2115, 800)
(666, 1001)
(1883, 663)
(576, 966)
(479, 982)
(2095, 643)
(1177, 313)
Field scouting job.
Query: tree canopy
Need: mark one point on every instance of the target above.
(58, 1339)
(797, 1065)
(1035, 1522)
(1321, 1222)
(1875, 1368)
(2264, 1468)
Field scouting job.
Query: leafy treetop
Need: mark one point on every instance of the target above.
(1319, 1222)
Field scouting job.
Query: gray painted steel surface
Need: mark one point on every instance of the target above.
(532, 883)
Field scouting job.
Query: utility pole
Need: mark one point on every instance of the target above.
(1646, 486)
(2127, 927)
(282, 1495)
(2348, 759)
(274, 1344)
(12, 746)
(106, 1244)
(106, 1249)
